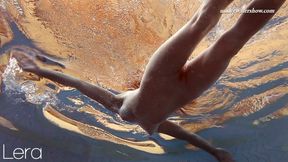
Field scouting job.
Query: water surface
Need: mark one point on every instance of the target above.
(109, 43)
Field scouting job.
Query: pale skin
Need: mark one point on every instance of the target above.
(173, 79)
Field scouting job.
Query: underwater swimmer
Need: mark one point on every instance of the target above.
(170, 81)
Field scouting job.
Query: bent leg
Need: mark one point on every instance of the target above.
(173, 54)
(205, 69)
(178, 132)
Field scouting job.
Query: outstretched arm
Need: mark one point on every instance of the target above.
(97, 93)
(178, 132)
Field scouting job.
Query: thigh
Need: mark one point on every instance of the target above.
(170, 57)
(174, 53)
(204, 70)
(207, 67)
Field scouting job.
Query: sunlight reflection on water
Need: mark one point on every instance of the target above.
(109, 43)
(13, 85)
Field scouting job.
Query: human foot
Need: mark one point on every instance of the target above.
(223, 155)
(25, 62)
